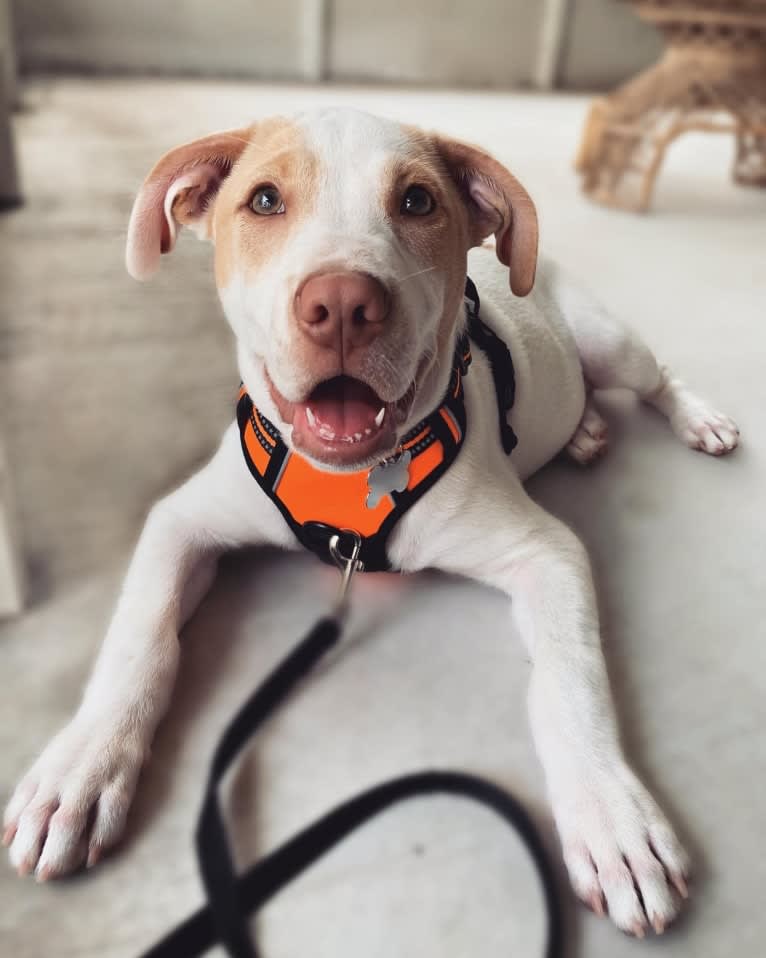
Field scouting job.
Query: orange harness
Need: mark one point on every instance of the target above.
(317, 504)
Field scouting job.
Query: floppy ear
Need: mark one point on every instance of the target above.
(497, 203)
(179, 191)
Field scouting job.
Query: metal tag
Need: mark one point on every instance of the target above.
(391, 475)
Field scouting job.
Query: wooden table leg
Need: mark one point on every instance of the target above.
(11, 580)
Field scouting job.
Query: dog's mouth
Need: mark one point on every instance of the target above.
(343, 421)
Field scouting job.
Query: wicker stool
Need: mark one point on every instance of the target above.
(712, 77)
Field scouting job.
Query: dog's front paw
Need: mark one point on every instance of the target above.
(73, 802)
(620, 851)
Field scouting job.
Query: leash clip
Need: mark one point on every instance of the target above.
(348, 564)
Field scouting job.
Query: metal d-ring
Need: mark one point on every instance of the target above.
(348, 565)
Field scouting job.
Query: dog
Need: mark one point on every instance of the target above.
(342, 243)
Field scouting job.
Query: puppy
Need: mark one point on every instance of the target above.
(342, 243)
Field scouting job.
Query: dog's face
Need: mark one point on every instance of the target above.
(340, 258)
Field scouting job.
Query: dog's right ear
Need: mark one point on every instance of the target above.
(497, 203)
(179, 191)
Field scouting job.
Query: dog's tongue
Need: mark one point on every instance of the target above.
(344, 407)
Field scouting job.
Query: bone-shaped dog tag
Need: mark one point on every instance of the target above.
(391, 475)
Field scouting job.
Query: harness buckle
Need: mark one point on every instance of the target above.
(348, 564)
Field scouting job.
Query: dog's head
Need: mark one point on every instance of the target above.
(340, 259)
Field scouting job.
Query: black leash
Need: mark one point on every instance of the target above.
(232, 898)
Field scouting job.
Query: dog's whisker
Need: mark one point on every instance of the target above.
(420, 272)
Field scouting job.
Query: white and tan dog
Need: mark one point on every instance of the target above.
(341, 249)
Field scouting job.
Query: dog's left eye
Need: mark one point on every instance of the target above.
(417, 201)
(267, 200)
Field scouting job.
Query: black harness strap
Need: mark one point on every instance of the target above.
(233, 898)
(500, 361)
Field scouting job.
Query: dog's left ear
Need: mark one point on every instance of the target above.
(497, 203)
(179, 191)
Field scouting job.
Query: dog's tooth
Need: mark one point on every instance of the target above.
(368, 431)
(311, 417)
(357, 436)
(379, 417)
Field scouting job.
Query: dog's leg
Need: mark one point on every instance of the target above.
(73, 802)
(619, 848)
(613, 356)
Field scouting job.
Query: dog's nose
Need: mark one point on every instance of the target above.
(342, 311)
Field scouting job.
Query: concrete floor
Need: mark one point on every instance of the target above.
(95, 370)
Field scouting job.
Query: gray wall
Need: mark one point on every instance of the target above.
(262, 38)
(9, 188)
(496, 43)
(460, 42)
(604, 42)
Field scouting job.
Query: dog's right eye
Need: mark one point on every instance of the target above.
(417, 201)
(266, 201)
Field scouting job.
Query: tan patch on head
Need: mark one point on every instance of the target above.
(277, 155)
(439, 240)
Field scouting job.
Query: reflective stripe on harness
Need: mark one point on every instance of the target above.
(317, 504)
